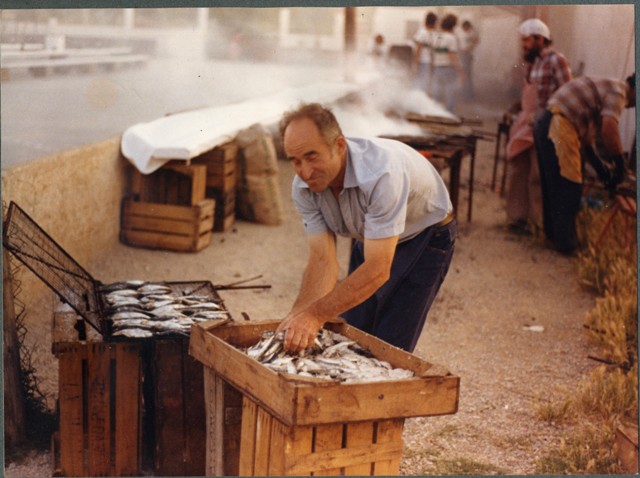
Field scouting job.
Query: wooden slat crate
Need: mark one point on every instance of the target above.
(100, 403)
(166, 226)
(175, 183)
(271, 448)
(225, 210)
(294, 426)
(180, 440)
(221, 164)
(626, 440)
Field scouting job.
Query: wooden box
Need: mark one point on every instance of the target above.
(295, 426)
(175, 183)
(99, 403)
(626, 446)
(178, 410)
(165, 226)
(221, 164)
(128, 406)
(168, 209)
(225, 209)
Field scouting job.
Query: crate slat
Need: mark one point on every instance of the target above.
(388, 432)
(164, 241)
(99, 413)
(328, 439)
(128, 412)
(70, 400)
(262, 445)
(168, 225)
(214, 389)
(194, 414)
(248, 437)
(169, 403)
(358, 434)
(170, 211)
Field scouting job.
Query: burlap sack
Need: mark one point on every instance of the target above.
(258, 196)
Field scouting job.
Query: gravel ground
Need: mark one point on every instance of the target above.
(498, 285)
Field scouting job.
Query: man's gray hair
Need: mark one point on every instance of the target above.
(322, 117)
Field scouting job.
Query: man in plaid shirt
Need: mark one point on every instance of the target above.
(550, 69)
(581, 114)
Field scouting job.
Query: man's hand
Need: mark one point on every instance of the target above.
(300, 330)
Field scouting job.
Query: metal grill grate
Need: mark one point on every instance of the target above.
(44, 256)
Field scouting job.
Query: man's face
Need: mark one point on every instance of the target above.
(315, 162)
(532, 45)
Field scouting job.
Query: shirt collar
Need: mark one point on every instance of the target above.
(350, 180)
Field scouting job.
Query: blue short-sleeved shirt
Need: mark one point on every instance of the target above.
(389, 189)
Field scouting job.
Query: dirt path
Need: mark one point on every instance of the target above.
(497, 286)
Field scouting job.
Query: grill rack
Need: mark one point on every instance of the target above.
(40, 253)
(37, 250)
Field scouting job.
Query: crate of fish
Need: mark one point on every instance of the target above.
(151, 321)
(338, 409)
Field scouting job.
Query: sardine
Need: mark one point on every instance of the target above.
(135, 333)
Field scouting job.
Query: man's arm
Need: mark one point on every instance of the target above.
(321, 273)
(303, 323)
(611, 136)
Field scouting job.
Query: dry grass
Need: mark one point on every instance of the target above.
(610, 394)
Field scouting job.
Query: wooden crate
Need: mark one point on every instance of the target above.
(294, 426)
(626, 440)
(225, 209)
(165, 226)
(99, 403)
(221, 164)
(175, 183)
(179, 413)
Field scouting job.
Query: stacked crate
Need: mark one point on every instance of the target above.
(221, 165)
(99, 402)
(168, 209)
(126, 406)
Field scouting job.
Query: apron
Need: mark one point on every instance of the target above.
(521, 131)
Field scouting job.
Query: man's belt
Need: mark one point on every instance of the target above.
(447, 219)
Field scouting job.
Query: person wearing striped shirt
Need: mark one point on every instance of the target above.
(583, 113)
(549, 68)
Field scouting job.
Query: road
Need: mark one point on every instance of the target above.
(42, 116)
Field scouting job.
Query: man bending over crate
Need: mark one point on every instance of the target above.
(393, 203)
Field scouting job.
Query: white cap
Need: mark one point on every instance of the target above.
(533, 26)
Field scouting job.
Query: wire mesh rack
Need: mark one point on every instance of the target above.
(23, 237)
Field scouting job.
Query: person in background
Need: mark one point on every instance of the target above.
(423, 41)
(378, 48)
(468, 40)
(383, 194)
(447, 72)
(582, 113)
(550, 69)
(546, 70)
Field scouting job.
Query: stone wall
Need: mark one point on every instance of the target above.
(75, 197)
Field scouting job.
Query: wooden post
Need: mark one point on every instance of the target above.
(349, 42)
(14, 399)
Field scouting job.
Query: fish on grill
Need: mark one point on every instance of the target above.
(141, 309)
(332, 357)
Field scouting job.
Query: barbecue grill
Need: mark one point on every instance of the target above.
(37, 250)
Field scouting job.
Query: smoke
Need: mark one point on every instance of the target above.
(382, 106)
